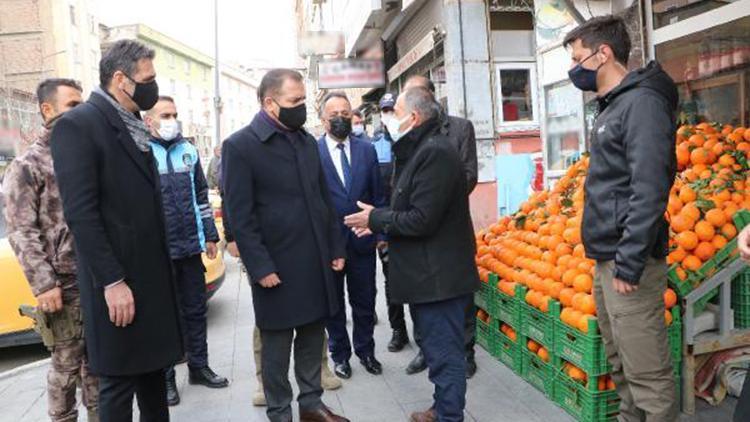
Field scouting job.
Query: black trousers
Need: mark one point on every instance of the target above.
(275, 354)
(116, 397)
(191, 291)
(396, 315)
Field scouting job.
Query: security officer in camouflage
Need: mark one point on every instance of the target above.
(38, 234)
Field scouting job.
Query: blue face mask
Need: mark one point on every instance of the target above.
(584, 79)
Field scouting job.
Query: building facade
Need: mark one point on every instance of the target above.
(187, 75)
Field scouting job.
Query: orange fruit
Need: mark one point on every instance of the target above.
(577, 374)
(687, 240)
(610, 384)
(697, 140)
(691, 211)
(588, 305)
(543, 354)
(533, 346)
(670, 298)
(583, 323)
(677, 255)
(566, 296)
(602, 383)
(705, 230)
(583, 283)
(668, 318)
(705, 251)
(569, 277)
(555, 289)
(681, 223)
(719, 241)
(716, 217)
(729, 231)
(692, 263)
(699, 156)
(687, 194)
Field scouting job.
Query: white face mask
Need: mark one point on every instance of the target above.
(358, 129)
(394, 127)
(168, 129)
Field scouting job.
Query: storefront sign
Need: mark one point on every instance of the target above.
(409, 59)
(320, 43)
(352, 73)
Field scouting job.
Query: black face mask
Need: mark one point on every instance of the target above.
(341, 127)
(145, 95)
(293, 117)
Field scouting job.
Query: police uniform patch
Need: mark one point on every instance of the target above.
(187, 159)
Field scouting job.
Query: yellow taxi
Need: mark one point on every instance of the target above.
(16, 330)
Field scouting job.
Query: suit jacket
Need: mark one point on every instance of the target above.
(112, 203)
(278, 204)
(367, 187)
(430, 235)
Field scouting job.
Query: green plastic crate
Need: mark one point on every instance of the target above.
(481, 295)
(537, 372)
(484, 336)
(741, 299)
(674, 334)
(506, 308)
(582, 403)
(506, 350)
(535, 324)
(584, 350)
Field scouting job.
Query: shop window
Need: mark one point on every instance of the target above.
(564, 126)
(712, 70)
(667, 12)
(517, 93)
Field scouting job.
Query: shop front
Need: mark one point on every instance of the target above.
(705, 48)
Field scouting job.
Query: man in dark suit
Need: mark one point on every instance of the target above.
(352, 172)
(112, 203)
(460, 134)
(289, 238)
(432, 245)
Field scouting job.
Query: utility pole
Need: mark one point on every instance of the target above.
(217, 74)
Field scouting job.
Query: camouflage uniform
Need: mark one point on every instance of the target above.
(44, 246)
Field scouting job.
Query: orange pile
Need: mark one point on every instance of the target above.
(709, 190)
(540, 246)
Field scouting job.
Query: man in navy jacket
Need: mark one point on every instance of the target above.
(352, 174)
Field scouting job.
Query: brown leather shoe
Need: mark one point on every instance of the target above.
(428, 415)
(323, 414)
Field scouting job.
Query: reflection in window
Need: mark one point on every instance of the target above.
(516, 95)
(564, 125)
(667, 12)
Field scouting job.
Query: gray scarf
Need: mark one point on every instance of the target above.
(136, 127)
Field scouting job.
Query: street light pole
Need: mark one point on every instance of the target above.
(217, 73)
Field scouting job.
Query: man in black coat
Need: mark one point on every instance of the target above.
(432, 244)
(289, 238)
(460, 134)
(111, 199)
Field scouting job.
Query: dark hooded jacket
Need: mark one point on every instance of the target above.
(631, 172)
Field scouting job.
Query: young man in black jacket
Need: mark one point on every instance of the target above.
(631, 172)
(432, 245)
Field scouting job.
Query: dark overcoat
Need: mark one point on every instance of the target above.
(283, 221)
(112, 203)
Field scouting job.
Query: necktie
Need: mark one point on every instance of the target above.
(345, 168)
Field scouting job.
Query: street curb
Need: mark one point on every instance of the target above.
(24, 368)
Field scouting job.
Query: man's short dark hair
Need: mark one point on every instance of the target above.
(609, 30)
(331, 95)
(357, 113)
(423, 81)
(166, 98)
(46, 91)
(123, 56)
(273, 81)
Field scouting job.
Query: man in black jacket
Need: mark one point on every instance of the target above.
(432, 245)
(290, 241)
(460, 133)
(631, 172)
(112, 203)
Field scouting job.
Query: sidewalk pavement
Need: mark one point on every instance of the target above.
(495, 394)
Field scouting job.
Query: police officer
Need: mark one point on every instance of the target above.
(190, 231)
(42, 241)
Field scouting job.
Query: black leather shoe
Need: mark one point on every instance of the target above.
(372, 365)
(399, 340)
(173, 396)
(471, 366)
(343, 370)
(207, 377)
(417, 364)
